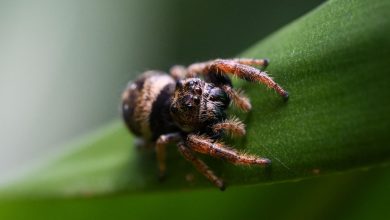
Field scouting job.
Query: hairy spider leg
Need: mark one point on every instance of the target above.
(252, 62)
(181, 72)
(248, 73)
(189, 155)
(204, 145)
(197, 68)
(242, 71)
(161, 143)
(178, 72)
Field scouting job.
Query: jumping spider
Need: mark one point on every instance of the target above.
(185, 109)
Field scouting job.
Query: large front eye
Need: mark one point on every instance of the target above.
(189, 106)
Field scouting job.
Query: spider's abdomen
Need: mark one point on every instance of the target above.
(145, 105)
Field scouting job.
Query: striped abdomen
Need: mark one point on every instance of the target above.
(145, 105)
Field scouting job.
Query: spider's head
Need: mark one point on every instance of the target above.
(196, 102)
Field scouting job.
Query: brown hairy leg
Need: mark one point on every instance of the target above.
(252, 62)
(200, 166)
(204, 145)
(238, 69)
(161, 143)
(178, 72)
(239, 98)
(232, 126)
(197, 68)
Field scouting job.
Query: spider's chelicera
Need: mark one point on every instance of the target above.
(188, 110)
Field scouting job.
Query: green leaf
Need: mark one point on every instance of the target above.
(352, 195)
(334, 63)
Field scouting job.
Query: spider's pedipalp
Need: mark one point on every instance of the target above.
(232, 126)
(238, 98)
(205, 145)
(200, 166)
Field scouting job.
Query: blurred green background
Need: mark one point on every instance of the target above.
(63, 65)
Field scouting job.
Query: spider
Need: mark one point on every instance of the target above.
(190, 111)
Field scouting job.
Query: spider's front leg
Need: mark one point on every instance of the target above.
(246, 72)
(189, 155)
(239, 68)
(161, 143)
(199, 68)
(181, 72)
(204, 145)
(252, 62)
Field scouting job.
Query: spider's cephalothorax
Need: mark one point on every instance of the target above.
(188, 110)
(196, 104)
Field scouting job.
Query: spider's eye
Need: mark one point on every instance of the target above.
(189, 105)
